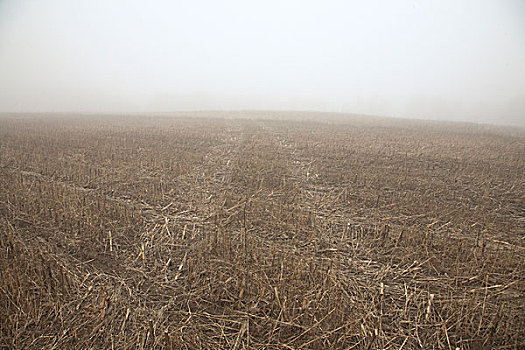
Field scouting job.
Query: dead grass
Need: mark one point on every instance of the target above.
(181, 233)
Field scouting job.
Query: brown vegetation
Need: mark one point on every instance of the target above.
(161, 232)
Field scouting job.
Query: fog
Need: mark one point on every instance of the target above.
(450, 60)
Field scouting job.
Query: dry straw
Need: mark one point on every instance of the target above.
(260, 234)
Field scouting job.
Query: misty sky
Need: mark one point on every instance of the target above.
(456, 60)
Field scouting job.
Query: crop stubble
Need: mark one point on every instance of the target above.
(250, 233)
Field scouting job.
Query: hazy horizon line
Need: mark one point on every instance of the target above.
(271, 111)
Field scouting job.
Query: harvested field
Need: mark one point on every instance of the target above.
(260, 231)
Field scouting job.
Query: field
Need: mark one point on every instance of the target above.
(260, 231)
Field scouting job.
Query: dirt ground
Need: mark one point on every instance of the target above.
(260, 230)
